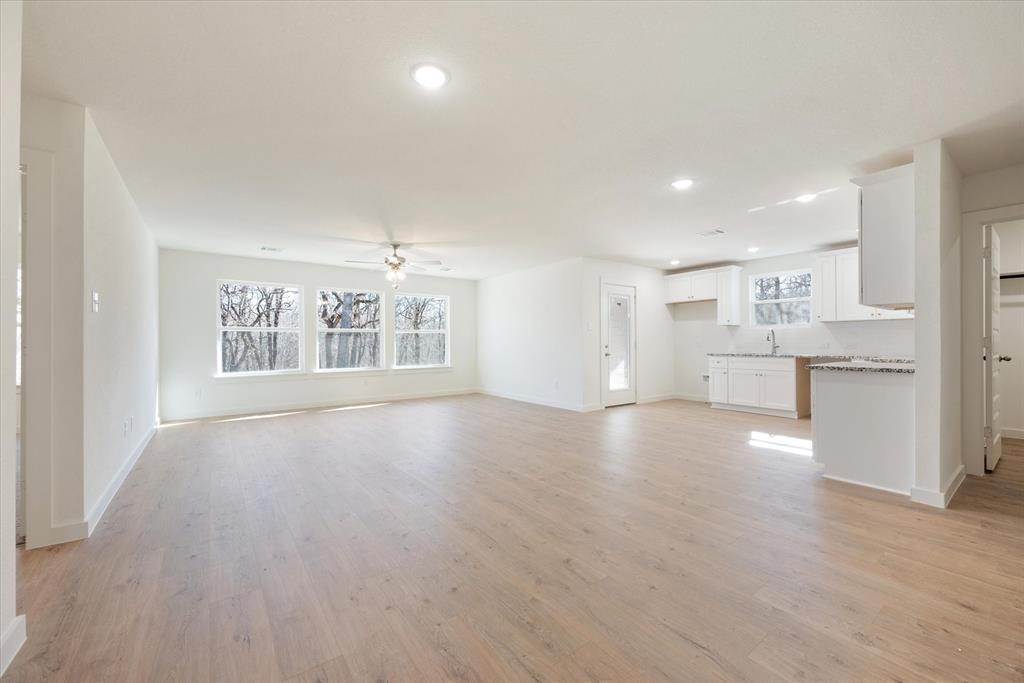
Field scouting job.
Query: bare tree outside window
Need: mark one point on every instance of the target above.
(421, 330)
(260, 327)
(779, 299)
(348, 330)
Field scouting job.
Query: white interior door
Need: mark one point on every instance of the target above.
(618, 345)
(993, 357)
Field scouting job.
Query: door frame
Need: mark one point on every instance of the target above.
(972, 280)
(608, 401)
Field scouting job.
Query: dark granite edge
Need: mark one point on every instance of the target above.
(894, 368)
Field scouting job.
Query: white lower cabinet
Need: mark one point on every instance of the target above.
(776, 386)
(744, 387)
(718, 392)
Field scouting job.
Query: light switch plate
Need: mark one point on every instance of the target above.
(95, 301)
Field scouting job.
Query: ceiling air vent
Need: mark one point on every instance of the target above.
(711, 233)
(274, 249)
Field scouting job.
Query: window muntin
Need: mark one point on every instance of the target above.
(349, 329)
(259, 328)
(780, 299)
(421, 331)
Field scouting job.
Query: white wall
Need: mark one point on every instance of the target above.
(1011, 236)
(53, 138)
(938, 461)
(85, 373)
(992, 189)
(697, 332)
(530, 335)
(540, 333)
(189, 387)
(12, 627)
(654, 333)
(120, 342)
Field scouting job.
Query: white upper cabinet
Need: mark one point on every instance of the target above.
(721, 284)
(729, 296)
(887, 238)
(837, 290)
(823, 288)
(704, 286)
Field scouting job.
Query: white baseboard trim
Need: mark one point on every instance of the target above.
(11, 641)
(538, 401)
(92, 520)
(656, 398)
(870, 486)
(1011, 433)
(789, 414)
(698, 398)
(238, 412)
(940, 499)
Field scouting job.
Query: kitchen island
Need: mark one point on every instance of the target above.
(863, 427)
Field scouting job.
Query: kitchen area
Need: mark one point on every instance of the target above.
(826, 335)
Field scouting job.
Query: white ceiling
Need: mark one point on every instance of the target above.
(288, 124)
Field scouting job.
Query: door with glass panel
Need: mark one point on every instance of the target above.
(618, 345)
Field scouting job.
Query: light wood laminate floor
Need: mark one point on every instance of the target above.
(478, 539)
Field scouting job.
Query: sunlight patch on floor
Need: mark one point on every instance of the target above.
(777, 442)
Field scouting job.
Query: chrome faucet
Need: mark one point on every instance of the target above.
(771, 338)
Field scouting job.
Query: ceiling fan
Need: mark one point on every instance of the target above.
(396, 265)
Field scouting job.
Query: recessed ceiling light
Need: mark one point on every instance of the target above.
(682, 184)
(804, 198)
(429, 76)
(753, 250)
(783, 202)
(674, 262)
(756, 209)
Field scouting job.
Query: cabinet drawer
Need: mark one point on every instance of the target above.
(779, 364)
(718, 362)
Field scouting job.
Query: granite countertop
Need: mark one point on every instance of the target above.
(838, 357)
(899, 367)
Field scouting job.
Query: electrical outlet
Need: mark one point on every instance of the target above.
(124, 427)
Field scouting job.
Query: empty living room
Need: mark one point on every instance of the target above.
(511, 341)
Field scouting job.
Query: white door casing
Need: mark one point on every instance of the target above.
(618, 345)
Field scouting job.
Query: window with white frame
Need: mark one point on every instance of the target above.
(780, 299)
(348, 330)
(421, 331)
(259, 328)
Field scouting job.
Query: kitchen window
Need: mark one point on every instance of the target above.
(348, 330)
(780, 299)
(259, 328)
(421, 331)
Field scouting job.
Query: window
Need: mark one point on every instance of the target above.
(781, 298)
(348, 330)
(260, 328)
(421, 331)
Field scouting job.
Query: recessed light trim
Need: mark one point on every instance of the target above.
(430, 76)
(682, 183)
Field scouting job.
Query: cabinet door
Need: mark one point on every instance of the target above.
(778, 390)
(824, 288)
(678, 288)
(728, 298)
(704, 286)
(848, 305)
(718, 391)
(887, 238)
(744, 389)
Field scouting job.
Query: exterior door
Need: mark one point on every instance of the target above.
(993, 357)
(618, 345)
